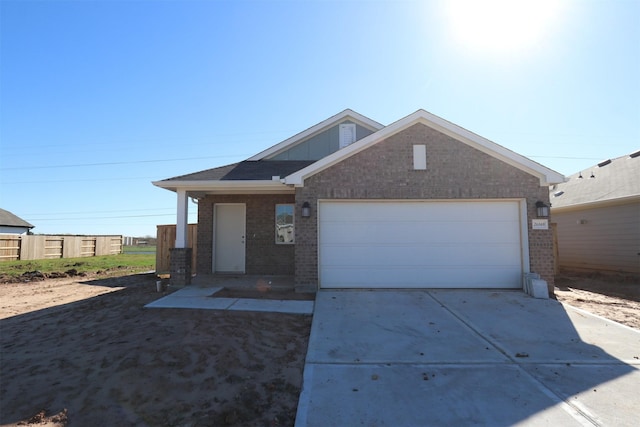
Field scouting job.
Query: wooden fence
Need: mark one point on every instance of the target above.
(15, 247)
(166, 239)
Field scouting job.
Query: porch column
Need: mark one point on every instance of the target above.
(180, 255)
(182, 219)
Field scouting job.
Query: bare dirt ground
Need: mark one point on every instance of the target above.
(615, 297)
(84, 351)
(78, 352)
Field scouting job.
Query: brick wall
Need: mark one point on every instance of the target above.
(180, 266)
(263, 255)
(385, 171)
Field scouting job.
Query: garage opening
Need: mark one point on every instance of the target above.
(420, 244)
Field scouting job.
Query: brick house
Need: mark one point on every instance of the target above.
(419, 203)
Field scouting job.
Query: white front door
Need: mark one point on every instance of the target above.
(229, 238)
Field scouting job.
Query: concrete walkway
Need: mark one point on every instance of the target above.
(458, 358)
(195, 297)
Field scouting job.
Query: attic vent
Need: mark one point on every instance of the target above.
(558, 193)
(605, 163)
(634, 155)
(347, 134)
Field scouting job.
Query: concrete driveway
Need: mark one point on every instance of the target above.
(457, 358)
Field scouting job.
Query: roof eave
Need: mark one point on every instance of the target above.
(227, 187)
(545, 175)
(597, 203)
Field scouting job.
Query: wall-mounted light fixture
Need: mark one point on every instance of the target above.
(542, 209)
(306, 210)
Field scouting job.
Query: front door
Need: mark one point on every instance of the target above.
(229, 238)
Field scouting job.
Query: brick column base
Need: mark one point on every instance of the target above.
(180, 266)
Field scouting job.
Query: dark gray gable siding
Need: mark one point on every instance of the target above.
(320, 145)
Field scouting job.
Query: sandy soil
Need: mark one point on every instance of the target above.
(78, 352)
(88, 353)
(615, 297)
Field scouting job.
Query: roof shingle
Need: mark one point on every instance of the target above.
(615, 179)
(247, 171)
(8, 219)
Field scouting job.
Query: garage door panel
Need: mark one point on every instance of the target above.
(421, 277)
(420, 244)
(418, 231)
(415, 210)
(415, 255)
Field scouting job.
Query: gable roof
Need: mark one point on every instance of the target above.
(546, 175)
(613, 180)
(8, 219)
(347, 114)
(259, 174)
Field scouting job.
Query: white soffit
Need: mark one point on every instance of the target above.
(547, 176)
(227, 187)
(331, 121)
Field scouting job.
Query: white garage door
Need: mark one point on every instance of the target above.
(420, 244)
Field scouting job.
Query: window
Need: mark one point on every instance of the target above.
(284, 225)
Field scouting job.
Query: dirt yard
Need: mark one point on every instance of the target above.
(615, 297)
(82, 351)
(88, 354)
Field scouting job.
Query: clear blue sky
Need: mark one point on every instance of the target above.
(99, 98)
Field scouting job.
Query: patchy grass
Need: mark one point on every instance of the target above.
(139, 249)
(108, 265)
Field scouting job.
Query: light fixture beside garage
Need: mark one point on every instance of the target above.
(542, 209)
(306, 210)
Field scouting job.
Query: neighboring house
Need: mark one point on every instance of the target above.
(597, 212)
(419, 203)
(11, 224)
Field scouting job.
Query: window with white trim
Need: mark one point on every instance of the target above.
(285, 234)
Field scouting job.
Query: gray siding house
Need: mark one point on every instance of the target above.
(597, 212)
(12, 224)
(420, 203)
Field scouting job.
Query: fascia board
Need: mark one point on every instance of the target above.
(331, 121)
(546, 175)
(229, 187)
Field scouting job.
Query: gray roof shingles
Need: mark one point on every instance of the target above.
(617, 179)
(8, 219)
(247, 171)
